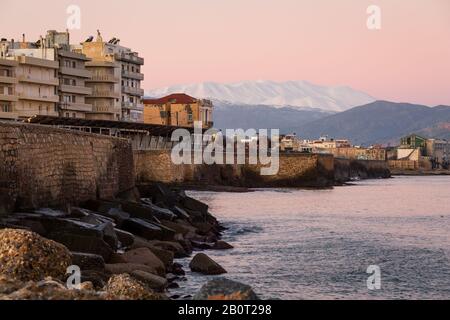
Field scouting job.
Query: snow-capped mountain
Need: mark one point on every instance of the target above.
(297, 94)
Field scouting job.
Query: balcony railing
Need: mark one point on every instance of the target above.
(8, 79)
(30, 79)
(75, 89)
(133, 91)
(134, 106)
(103, 78)
(104, 94)
(8, 97)
(128, 57)
(26, 96)
(77, 72)
(132, 75)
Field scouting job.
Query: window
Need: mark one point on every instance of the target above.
(6, 108)
(74, 64)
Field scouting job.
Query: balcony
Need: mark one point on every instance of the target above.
(7, 97)
(75, 89)
(103, 78)
(76, 72)
(133, 91)
(132, 75)
(72, 106)
(38, 62)
(104, 94)
(132, 106)
(103, 64)
(26, 96)
(7, 79)
(30, 79)
(128, 57)
(105, 109)
(8, 63)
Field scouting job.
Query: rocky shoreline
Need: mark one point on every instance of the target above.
(124, 249)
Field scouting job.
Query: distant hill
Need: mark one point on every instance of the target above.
(287, 119)
(381, 122)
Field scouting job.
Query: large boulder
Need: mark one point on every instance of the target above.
(174, 247)
(126, 239)
(24, 255)
(119, 268)
(145, 257)
(88, 261)
(125, 287)
(204, 264)
(148, 230)
(222, 245)
(179, 226)
(152, 281)
(85, 244)
(165, 256)
(224, 289)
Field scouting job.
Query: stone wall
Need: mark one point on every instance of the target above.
(346, 169)
(45, 166)
(296, 170)
(359, 153)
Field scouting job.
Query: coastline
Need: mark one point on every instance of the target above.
(109, 239)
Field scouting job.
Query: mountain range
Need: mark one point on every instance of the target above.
(311, 110)
(293, 94)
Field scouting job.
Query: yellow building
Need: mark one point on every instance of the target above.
(116, 80)
(178, 109)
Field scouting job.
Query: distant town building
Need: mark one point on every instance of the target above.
(178, 109)
(116, 80)
(430, 153)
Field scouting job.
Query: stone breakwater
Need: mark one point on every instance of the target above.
(125, 249)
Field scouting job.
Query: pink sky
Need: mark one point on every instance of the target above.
(322, 41)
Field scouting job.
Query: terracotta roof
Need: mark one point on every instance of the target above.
(172, 98)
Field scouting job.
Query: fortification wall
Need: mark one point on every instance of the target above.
(347, 169)
(44, 166)
(295, 170)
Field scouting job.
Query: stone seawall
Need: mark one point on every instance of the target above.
(296, 170)
(345, 169)
(44, 166)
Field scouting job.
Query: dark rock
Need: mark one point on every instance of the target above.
(88, 261)
(178, 226)
(85, 244)
(173, 285)
(117, 258)
(126, 239)
(145, 257)
(202, 245)
(224, 289)
(181, 213)
(148, 230)
(158, 212)
(174, 247)
(137, 210)
(98, 278)
(222, 245)
(120, 268)
(125, 287)
(153, 281)
(194, 205)
(204, 264)
(177, 269)
(109, 234)
(164, 255)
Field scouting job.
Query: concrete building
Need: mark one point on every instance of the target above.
(8, 81)
(116, 80)
(178, 109)
(49, 77)
(72, 74)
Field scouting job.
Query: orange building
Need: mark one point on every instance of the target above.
(178, 109)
